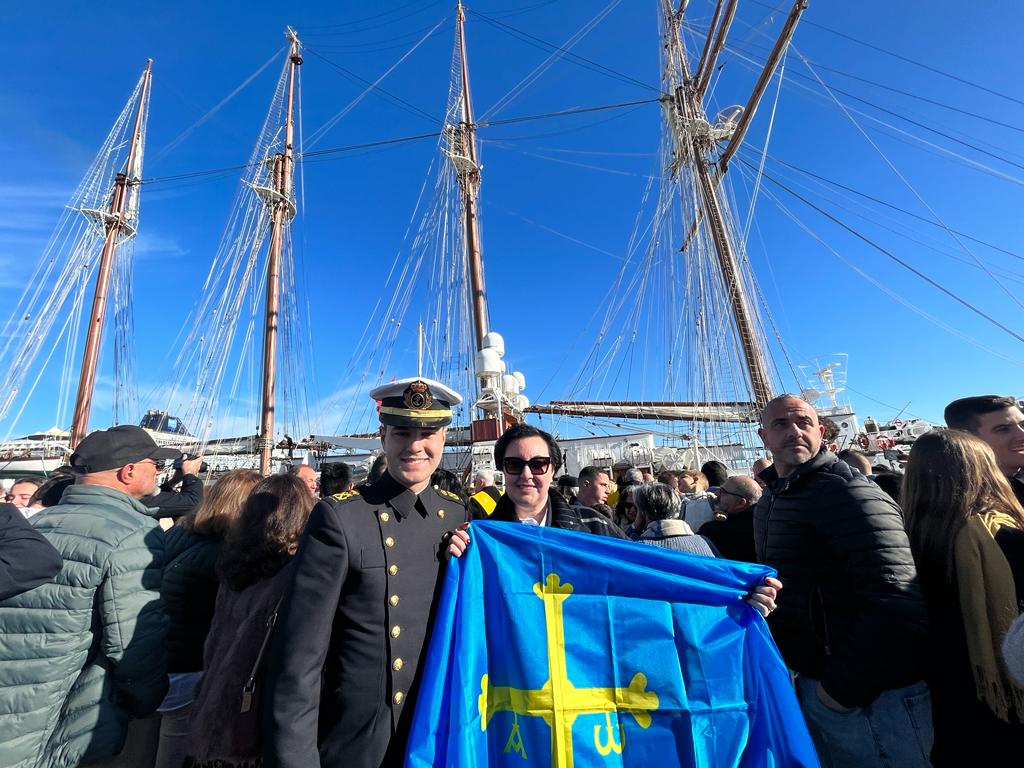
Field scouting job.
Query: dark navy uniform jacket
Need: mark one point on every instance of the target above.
(353, 627)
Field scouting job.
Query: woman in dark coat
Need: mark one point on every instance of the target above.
(530, 457)
(189, 592)
(253, 570)
(966, 531)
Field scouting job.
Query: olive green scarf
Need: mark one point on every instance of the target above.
(988, 601)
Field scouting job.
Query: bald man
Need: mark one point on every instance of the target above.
(732, 530)
(852, 621)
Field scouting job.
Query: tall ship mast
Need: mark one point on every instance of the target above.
(119, 223)
(711, 335)
(281, 208)
(241, 346)
(94, 234)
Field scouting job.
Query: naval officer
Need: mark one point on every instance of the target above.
(352, 628)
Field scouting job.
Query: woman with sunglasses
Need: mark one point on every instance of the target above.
(530, 457)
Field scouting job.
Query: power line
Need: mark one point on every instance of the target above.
(889, 254)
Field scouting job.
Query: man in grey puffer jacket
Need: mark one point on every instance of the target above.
(82, 655)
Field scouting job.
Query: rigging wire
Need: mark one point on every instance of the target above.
(889, 254)
(397, 140)
(586, 63)
(906, 59)
(375, 85)
(910, 187)
(181, 137)
(884, 203)
(519, 88)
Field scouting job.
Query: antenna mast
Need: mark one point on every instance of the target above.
(469, 181)
(282, 210)
(116, 223)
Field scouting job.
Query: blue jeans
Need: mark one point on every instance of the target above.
(893, 731)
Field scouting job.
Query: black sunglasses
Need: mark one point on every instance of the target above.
(538, 465)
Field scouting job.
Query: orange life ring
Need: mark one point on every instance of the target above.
(863, 441)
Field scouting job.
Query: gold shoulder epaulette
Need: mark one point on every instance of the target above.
(345, 495)
(448, 495)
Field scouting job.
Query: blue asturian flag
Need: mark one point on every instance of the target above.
(567, 649)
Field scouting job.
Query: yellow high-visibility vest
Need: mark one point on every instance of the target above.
(486, 501)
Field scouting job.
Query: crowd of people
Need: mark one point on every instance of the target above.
(282, 620)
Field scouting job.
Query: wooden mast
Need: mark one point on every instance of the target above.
(469, 176)
(282, 211)
(116, 225)
(689, 113)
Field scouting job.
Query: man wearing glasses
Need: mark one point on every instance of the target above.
(530, 457)
(732, 530)
(86, 653)
(353, 625)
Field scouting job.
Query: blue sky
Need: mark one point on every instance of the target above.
(560, 196)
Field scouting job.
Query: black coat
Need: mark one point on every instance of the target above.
(27, 559)
(851, 613)
(171, 503)
(733, 536)
(353, 627)
(189, 591)
(563, 515)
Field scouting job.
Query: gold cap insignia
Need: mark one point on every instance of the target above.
(417, 396)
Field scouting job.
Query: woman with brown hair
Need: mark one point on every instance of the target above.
(253, 570)
(189, 592)
(966, 531)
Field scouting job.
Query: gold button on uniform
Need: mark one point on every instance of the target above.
(389, 541)
(396, 631)
(398, 697)
(393, 600)
(393, 570)
(397, 664)
(440, 513)
(384, 517)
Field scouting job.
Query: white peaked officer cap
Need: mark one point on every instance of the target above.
(415, 402)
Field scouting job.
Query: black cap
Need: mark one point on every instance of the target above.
(113, 448)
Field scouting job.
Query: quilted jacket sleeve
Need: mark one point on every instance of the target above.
(865, 529)
(27, 559)
(134, 620)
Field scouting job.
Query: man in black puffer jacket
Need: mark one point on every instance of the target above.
(851, 619)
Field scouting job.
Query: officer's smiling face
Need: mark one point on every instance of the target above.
(413, 453)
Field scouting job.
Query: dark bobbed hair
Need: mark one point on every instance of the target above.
(48, 494)
(965, 412)
(521, 432)
(951, 476)
(715, 471)
(335, 478)
(263, 539)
